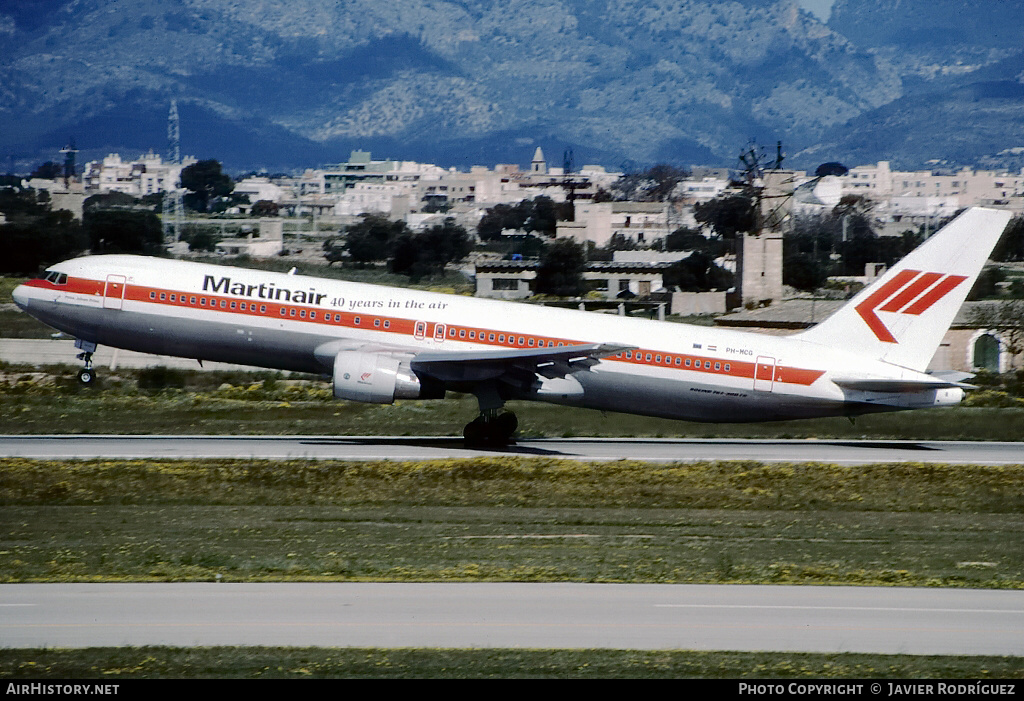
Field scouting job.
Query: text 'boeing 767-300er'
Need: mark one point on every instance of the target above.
(380, 343)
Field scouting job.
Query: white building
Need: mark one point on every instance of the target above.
(146, 175)
(933, 193)
(259, 189)
(640, 222)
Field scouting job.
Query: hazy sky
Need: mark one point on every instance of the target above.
(821, 8)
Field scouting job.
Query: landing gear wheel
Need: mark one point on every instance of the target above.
(506, 424)
(86, 376)
(486, 431)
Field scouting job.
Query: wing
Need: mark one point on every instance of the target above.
(513, 365)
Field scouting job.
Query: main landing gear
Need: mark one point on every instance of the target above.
(86, 376)
(491, 429)
(494, 427)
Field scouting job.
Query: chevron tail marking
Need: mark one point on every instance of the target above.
(908, 296)
(866, 309)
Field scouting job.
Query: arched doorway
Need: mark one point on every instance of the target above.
(985, 353)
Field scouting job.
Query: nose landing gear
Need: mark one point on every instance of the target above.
(86, 376)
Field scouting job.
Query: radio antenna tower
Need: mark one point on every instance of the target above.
(174, 206)
(69, 152)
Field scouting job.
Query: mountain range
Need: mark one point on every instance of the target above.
(286, 84)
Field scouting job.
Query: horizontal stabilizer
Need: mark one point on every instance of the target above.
(883, 385)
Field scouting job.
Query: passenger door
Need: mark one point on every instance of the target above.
(113, 292)
(764, 374)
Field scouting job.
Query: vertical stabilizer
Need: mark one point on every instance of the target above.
(902, 317)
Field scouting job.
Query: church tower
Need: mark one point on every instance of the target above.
(538, 166)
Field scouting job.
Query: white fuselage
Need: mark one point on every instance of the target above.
(272, 320)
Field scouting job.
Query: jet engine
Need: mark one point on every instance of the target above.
(378, 378)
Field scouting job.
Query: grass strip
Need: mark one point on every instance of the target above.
(300, 663)
(511, 519)
(252, 409)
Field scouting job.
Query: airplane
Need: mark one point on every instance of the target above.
(380, 344)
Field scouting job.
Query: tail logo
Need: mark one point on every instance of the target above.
(909, 292)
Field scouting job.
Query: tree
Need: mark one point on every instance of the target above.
(541, 215)
(656, 184)
(205, 183)
(831, 168)
(802, 271)
(334, 250)
(986, 286)
(35, 237)
(685, 239)
(373, 237)
(1011, 245)
(728, 215)
(32, 244)
(124, 231)
(201, 238)
(48, 171)
(697, 273)
(561, 269)
(108, 200)
(428, 252)
(265, 208)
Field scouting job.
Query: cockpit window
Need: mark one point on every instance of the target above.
(52, 276)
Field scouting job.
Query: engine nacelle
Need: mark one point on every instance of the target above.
(374, 378)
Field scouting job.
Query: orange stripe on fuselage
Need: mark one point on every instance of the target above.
(407, 327)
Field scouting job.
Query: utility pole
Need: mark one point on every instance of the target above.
(69, 152)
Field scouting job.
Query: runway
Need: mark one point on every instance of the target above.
(53, 447)
(694, 617)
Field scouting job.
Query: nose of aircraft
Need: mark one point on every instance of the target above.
(20, 295)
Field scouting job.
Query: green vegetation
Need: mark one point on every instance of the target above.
(377, 663)
(511, 519)
(34, 234)
(164, 401)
